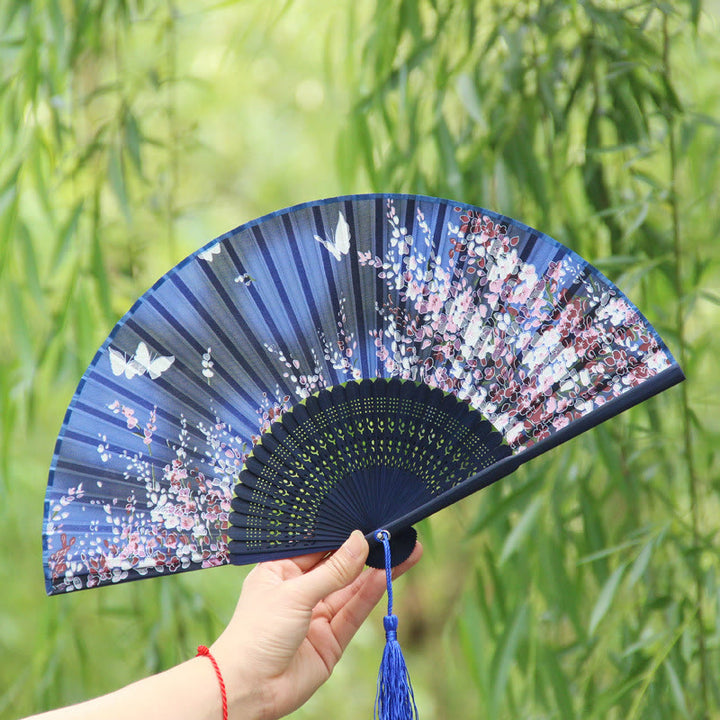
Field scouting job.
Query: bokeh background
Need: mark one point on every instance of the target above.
(133, 131)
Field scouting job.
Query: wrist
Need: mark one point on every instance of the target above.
(247, 696)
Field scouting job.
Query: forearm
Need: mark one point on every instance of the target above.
(188, 691)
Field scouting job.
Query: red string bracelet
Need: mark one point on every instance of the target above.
(202, 650)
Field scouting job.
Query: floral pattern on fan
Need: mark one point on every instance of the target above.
(169, 520)
(338, 352)
(479, 313)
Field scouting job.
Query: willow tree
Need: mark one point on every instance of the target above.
(593, 593)
(586, 586)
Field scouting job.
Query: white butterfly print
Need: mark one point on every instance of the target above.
(140, 363)
(154, 366)
(340, 244)
(121, 364)
(207, 255)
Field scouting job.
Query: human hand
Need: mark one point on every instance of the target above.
(291, 625)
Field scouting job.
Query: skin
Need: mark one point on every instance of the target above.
(291, 625)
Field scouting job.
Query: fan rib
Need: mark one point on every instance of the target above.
(287, 304)
(122, 391)
(379, 250)
(230, 345)
(356, 284)
(299, 259)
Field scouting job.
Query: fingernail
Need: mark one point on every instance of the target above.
(355, 544)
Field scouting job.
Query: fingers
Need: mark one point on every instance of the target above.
(334, 573)
(350, 611)
(307, 562)
(334, 603)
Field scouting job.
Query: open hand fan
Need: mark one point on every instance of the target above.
(354, 362)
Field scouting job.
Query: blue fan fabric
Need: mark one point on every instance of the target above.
(382, 286)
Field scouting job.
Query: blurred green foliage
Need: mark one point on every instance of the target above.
(132, 131)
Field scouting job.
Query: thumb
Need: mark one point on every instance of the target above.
(339, 570)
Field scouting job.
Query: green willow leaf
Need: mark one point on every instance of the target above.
(676, 688)
(116, 172)
(605, 598)
(522, 530)
(67, 235)
(506, 654)
(497, 506)
(559, 682)
(133, 140)
(640, 564)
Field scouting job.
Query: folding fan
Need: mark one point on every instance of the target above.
(355, 362)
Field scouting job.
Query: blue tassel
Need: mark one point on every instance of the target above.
(395, 699)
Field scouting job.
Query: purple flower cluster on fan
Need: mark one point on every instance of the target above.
(509, 338)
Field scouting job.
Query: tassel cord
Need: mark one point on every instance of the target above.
(395, 699)
(384, 536)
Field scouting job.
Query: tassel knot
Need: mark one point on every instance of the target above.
(391, 625)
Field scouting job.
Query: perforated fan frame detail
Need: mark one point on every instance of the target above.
(348, 456)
